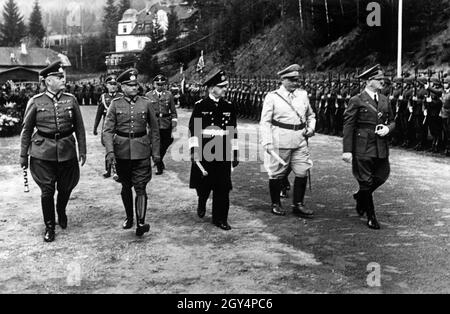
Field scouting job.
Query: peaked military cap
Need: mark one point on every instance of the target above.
(291, 71)
(218, 78)
(374, 73)
(54, 69)
(111, 79)
(160, 79)
(127, 77)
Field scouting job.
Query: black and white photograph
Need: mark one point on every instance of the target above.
(225, 152)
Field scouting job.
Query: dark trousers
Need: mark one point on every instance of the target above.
(446, 133)
(166, 140)
(51, 176)
(220, 203)
(371, 173)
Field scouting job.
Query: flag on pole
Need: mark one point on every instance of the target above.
(201, 63)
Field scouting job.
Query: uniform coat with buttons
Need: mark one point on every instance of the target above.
(131, 116)
(52, 114)
(218, 127)
(164, 106)
(370, 151)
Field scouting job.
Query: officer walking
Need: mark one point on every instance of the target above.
(130, 147)
(367, 122)
(53, 157)
(287, 121)
(104, 103)
(214, 149)
(163, 104)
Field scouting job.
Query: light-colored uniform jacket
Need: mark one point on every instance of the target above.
(275, 108)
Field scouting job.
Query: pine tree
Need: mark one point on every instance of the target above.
(123, 6)
(13, 28)
(36, 29)
(173, 30)
(110, 20)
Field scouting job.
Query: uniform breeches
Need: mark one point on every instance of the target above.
(50, 174)
(134, 173)
(371, 173)
(297, 159)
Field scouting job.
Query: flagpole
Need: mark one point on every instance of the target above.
(400, 38)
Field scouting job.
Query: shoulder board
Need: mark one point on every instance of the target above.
(199, 101)
(117, 98)
(68, 94)
(145, 97)
(37, 96)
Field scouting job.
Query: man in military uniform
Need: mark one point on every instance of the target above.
(367, 122)
(56, 116)
(104, 103)
(164, 106)
(445, 115)
(432, 109)
(287, 121)
(214, 149)
(129, 146)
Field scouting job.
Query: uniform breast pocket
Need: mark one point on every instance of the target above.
(226, 119)
(44, 114)
(121, 116)
(364, 114)
(143, 115)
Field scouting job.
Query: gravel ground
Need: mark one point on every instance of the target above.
(263, 253)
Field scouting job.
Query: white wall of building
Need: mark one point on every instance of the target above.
(126, 43)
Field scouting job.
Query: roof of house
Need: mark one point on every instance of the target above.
(35, 57)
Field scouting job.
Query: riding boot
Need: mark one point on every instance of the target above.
(141, 211)
(61, 204)
(48, 210)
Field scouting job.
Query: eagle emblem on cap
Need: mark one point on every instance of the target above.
(223, 78)
(133, 77)
(61, 70)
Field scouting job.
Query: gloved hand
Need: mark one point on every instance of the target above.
(347, 157)
(110, 159)
(309, 132)
(24, 162)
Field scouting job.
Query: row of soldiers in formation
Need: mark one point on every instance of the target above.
(421, 105)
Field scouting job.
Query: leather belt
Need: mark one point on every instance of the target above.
(55, 136)
(295, 127)
(164, 115)
(131, 135)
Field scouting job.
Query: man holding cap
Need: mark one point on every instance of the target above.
(103, 105)
(368, 121)
(130, 147)
(214, 149)
(163, 104)
(287, 121)
(56, 116)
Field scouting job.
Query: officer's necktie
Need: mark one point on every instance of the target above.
(375, 97)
